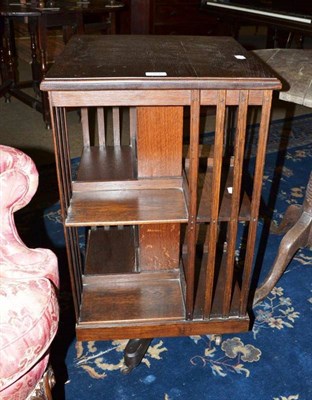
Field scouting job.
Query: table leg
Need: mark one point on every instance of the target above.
(300, 235)
(35, 64)
(5, 82)
(8, 61)
(42, 44)
(112, 24)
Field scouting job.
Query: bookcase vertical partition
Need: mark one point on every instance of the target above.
(168, 214)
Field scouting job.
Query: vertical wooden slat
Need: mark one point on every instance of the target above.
(239, 146)
(116, 126)
(63, 157)
(55, 121)
(100, 125)
(193, 178)
(256, 196)
(85, 127)
(75, 266)
(63, 168)
(133, 125)
(216, 183)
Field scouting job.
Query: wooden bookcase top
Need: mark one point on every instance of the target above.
(151, 62)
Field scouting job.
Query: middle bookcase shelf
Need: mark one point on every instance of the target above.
(126, 207)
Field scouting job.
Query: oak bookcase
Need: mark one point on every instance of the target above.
(164, 213)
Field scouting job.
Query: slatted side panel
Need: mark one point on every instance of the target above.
(255, 202)
(222, 293)
(239, 146)
(62, 153)
(102, 131)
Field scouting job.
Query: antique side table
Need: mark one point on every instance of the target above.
(169, 220)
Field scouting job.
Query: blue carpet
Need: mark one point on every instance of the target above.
(271, 362)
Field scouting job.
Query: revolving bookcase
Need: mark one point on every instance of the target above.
(168, 215)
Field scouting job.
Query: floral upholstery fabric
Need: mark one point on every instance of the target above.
(28, 284)
(29, 320)
(18, 183)
(22, 388)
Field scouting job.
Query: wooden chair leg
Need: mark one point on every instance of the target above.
(43, 390)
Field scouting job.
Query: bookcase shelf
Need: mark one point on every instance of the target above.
(126, 207)
(146, 297)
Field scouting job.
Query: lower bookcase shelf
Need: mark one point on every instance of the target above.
(123, 305)
(132, 298)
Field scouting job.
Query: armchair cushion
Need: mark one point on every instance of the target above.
(28, 324)
(23, 388)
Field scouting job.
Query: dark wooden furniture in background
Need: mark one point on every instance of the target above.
(280, 16)
(9, 71)
(179, 17)
(69, 16)
(178, 272)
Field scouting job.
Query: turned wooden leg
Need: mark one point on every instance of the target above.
(5, 83)
(9, 72)
(35, 64)
(42, 44)
(44, 387)
(300, 235)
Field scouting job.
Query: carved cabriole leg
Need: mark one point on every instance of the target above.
(43, 389)
(300, 235)
(291, 216)
(307, 203)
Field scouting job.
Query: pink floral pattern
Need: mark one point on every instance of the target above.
(18, 183)
(29, 279)
(20, 389)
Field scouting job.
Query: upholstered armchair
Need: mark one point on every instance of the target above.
(28, 289)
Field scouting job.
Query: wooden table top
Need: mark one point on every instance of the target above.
(149, 62)
(294, 67)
